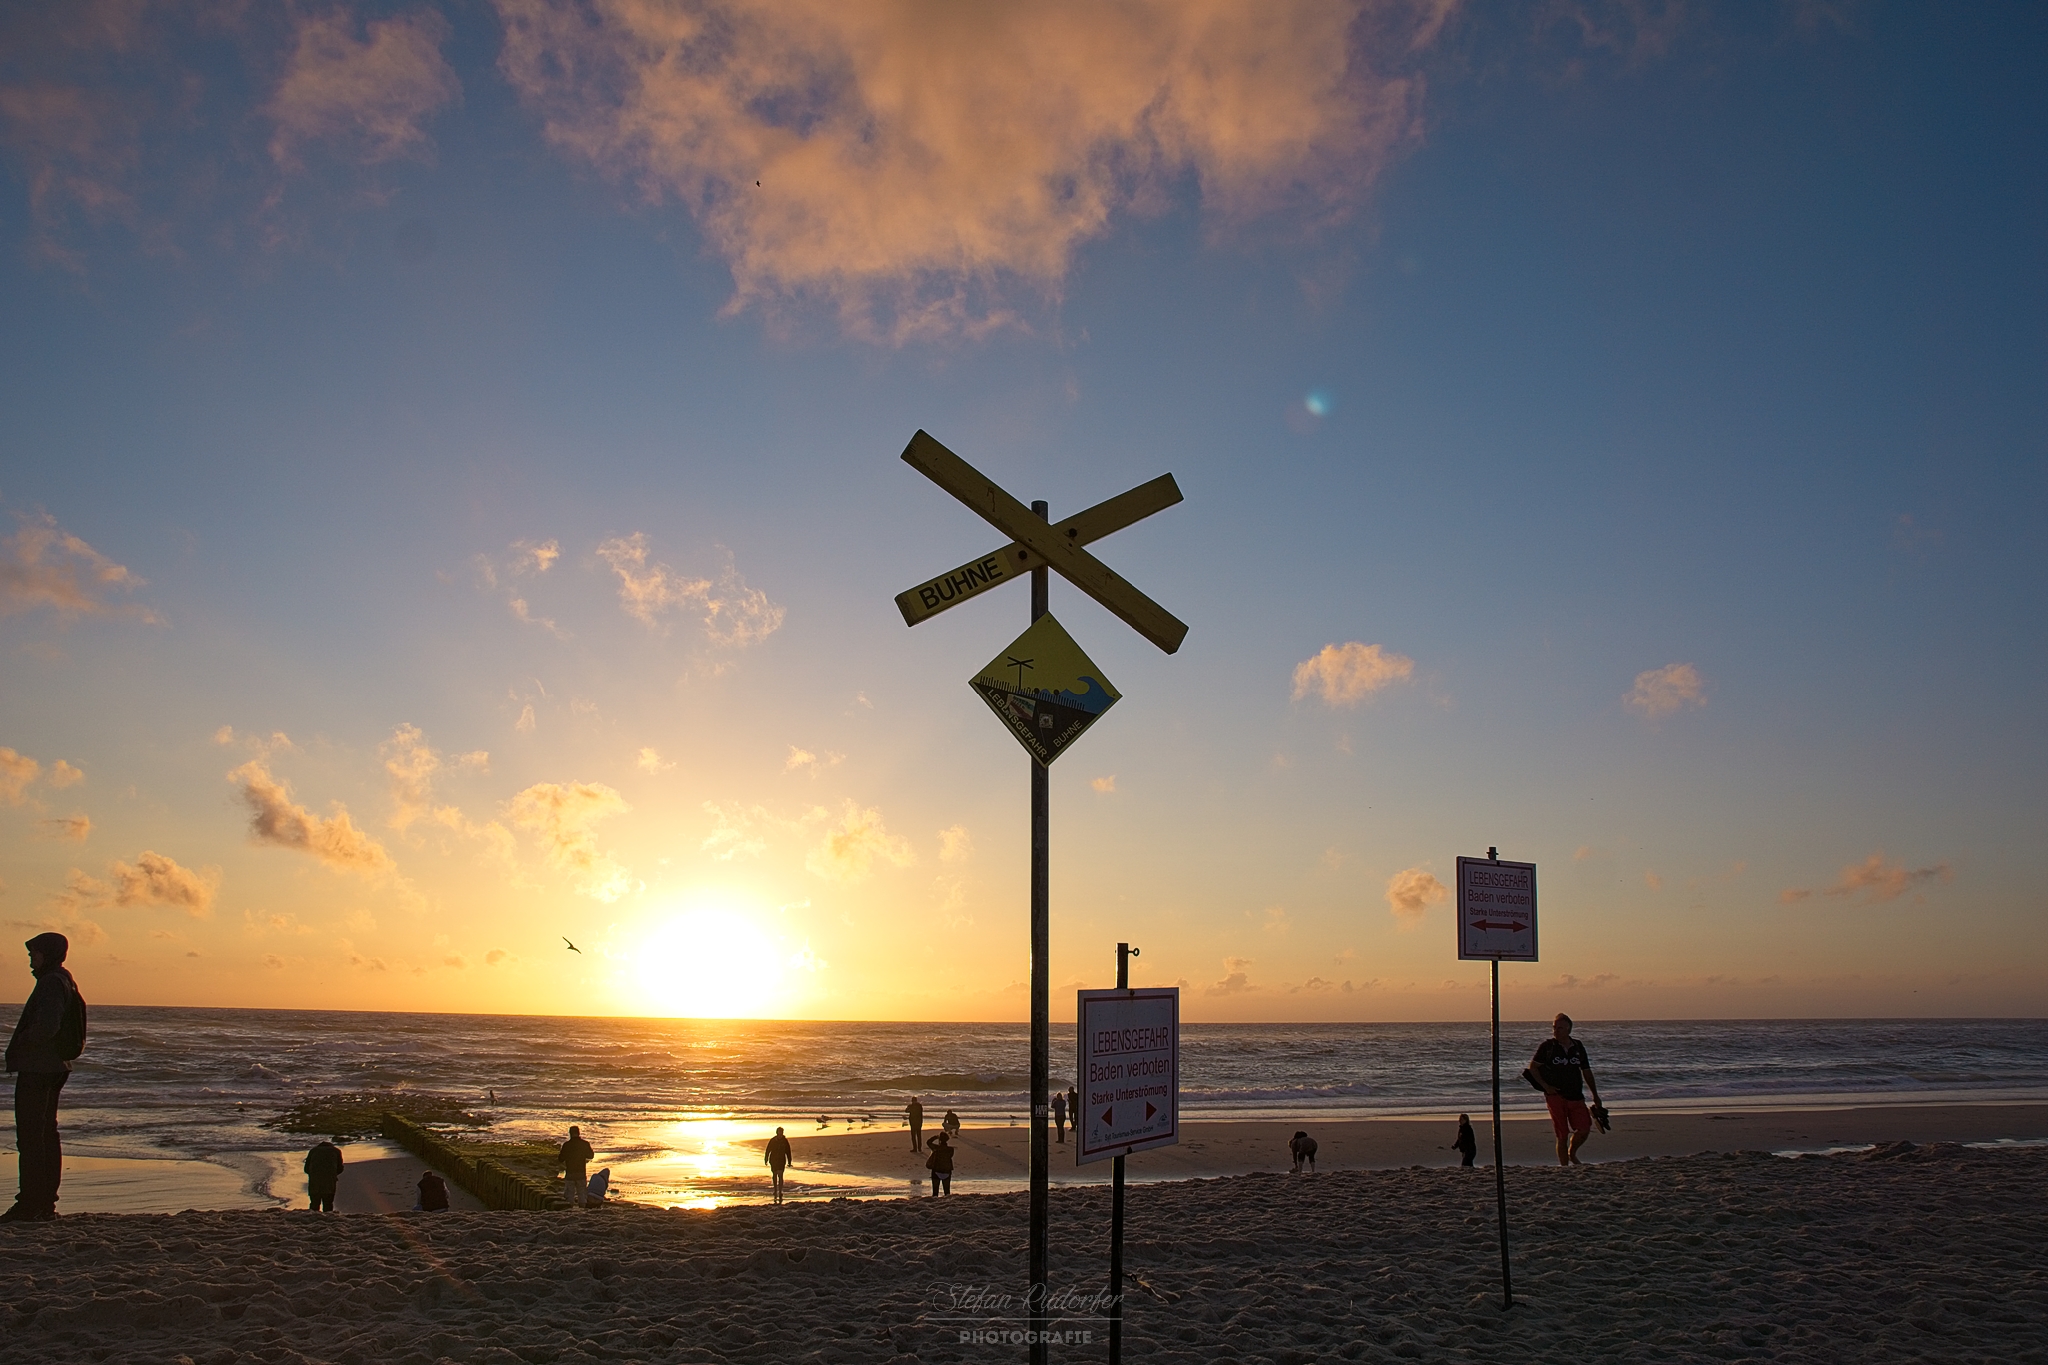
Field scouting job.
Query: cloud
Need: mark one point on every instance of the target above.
(526, 724)
(733, 613)
(1276, 921)
(1236, 979)
(955, 844)
(528, 557)
(62, 774)
(411, 764)
(1103, 785)
(1871, 881)
(1346, 674)
(651, 761)
(732, 832)
(276, 819)
(1411, 892)
(153, 880)
(562, 817)
(370, 96)
(1661, 691)
(44, 565)
(1585, 853)
(850, 848)
(497, 955)
(1653, 881)
(1569, 982)
(17, 773)
(70, 828)
(907, 163)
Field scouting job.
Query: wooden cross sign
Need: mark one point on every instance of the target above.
(1034, 544)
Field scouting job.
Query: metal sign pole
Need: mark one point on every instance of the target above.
(1041, 1014)
(1500, 1175)
(1124, 953)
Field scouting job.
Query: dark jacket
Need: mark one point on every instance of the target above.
(323, 1164)
(1466, 1142)
(34, 1044)
(777, 1152)
(574, 1156)
(941, 1159)
(433, 1193)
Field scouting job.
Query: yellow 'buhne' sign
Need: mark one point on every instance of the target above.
(1045, 689)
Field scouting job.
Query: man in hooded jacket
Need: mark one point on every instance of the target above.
(50, 1033)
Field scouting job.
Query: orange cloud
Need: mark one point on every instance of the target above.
(734, 614)
(153, 880)
(70, 828)
(276, 819)
(1871, 881)
(44, 565)
(1661, 691)
(373, 95)
(1411, 892)
(562, 817)
(1236, 978)
(904, 160)
(17, 773)
(850, 849)
(1346, 674)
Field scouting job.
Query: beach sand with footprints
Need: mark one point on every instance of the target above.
(1902, 1252)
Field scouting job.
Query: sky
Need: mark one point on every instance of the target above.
(451, 502)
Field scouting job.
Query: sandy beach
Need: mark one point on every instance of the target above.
(994, 1158)
(1928, 1253)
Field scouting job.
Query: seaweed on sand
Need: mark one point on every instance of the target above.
(360, 1114)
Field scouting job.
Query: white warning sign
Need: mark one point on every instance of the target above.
(1128, 1070)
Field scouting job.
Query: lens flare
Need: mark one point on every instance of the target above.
(1318, 403)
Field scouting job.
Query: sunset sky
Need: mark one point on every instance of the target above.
(450, 500)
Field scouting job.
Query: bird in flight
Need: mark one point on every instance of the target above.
(572, 947)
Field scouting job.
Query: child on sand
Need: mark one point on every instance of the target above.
(1303, 1149)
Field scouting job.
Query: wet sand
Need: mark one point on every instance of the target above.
(1216, 1148)
(1898, 1255)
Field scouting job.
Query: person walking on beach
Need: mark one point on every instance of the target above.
(1558, 1066)
(574, 1159)
(1465, 1144)
(940, 1163)
(50, 1034)
(777, 1156)
(433, 1193)
(1303, 1148)
(1059, 1116)
(915, 1112)
(323, 1171)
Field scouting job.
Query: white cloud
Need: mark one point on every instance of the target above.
(1661, 691)
(651, 761)
(1346, 674)
(732, 613)
(1411, 891)
(955, 844)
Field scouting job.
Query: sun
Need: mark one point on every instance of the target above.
(709, 962)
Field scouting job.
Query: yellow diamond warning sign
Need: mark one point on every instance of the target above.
(1045, 689)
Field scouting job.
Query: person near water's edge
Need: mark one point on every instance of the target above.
(1302, 1148)
(1465, 1144)
(323, 1171)
(1558, 1066)
(915, 1112)
(940, 1163)
(1074, 1111)
(50, 1034)
(951, 1123)
(433, 1193)
(777, 1156)
(574, 1159)
(1059, 1116)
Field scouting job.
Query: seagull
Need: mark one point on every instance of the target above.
(572, 947)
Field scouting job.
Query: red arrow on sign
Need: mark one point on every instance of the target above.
(1106, 1113)
(1490, 924)
(1149, 1110)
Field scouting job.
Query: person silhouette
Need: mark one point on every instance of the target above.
(777, 1155)
(915, 1112)
(433, 1193)
(940, 1163)
(1059, 1117)
(1465, 1144)
(50, 1034)
(323, 1171)
(574, 1159)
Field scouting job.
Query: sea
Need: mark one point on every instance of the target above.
(676, 1101)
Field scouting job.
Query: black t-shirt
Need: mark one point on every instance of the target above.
(1560, 1066)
